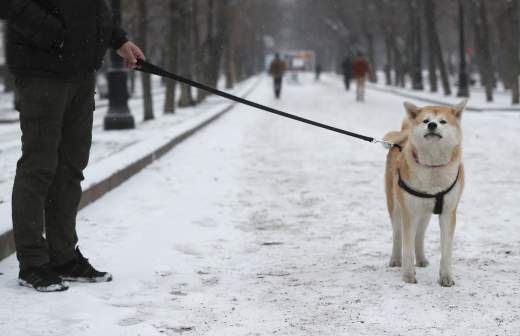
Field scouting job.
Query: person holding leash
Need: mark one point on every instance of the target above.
(277, 70)
(53, 51)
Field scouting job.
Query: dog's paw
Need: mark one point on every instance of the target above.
(422, 263)
(446, 281)
(409, 278)
(394, 262)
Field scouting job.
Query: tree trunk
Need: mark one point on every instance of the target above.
(463, 72)
(145, 77)
(507, 22)
(485, 64)
(185, 51)
(169, 102)
(228, 35)
(416, 38)
(513, 13)
(429, 14)
(369, 37)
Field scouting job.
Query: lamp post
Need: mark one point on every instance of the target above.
(463, 75)
(118, 116)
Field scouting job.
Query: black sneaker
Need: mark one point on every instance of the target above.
(80, 270)
(43, 279)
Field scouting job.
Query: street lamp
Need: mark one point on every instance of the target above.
(118, 116)
(463, 75)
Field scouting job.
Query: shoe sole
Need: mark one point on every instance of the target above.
(107, 278)
(49, 289)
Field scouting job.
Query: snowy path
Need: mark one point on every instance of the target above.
(261, 226)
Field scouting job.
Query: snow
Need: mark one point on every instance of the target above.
(501, 97)
(262, 226)
(112, 151)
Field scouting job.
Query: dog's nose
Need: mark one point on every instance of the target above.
(432, 126)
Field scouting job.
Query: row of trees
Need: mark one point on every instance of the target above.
(203, 39)
(197, 39)
(440, 36)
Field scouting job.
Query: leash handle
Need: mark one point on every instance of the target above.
(147, 67)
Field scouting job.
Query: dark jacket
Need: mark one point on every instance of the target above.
(58, 38)
(346, 67)
(277, 68)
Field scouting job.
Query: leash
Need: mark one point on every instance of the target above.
(147, 67)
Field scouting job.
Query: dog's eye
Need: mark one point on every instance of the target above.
(426, 121)
(443, 122)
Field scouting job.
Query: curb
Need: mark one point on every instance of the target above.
(440, 102)
(98, 190)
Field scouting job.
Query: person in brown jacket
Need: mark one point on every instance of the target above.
(277, 70)
(360, 70)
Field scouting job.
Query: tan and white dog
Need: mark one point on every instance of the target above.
(424, 176)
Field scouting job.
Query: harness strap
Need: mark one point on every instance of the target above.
(439, 197)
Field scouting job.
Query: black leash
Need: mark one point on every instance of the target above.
(144, 66)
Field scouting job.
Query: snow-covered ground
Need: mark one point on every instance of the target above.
(262, 226)
(501, 97)
(112, 151)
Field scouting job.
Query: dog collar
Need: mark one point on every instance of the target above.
(439, 197)
(416, 159)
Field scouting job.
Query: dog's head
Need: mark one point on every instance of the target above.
(435, 129)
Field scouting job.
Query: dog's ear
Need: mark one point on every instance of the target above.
(411, 110)
(459, 108)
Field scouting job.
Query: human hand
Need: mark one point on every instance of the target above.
(130, 53)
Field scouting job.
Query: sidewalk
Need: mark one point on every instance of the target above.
(116, 156)
(476, 103)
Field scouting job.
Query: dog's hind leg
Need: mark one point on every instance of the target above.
(447, 221)
(397, 247)
(409, 227)
(422, 225)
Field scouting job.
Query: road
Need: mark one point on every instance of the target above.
(262, 226)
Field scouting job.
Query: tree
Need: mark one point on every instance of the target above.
(481, 32)
(142, 8)
(435, 55)
(507, 22)
(416, 45)
(169, 102)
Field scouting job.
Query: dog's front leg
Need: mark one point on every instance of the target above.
(408, 235)
(447, 221)
(422, 225)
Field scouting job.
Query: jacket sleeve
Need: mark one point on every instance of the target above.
(33, 22)
(118, 38)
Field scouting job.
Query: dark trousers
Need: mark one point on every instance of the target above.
(346, 79)
(277, 86)
(56, 120)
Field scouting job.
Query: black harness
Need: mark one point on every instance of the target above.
(439, 197)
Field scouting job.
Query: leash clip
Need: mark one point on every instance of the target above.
(386, 144)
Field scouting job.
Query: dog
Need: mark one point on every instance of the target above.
(424, 175)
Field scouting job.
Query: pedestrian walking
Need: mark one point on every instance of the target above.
(319, 69)
(277, 70)
(360, 70)
(53, 50)
(346, 69)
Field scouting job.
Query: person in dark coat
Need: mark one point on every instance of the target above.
(346, 69)
(53, 50)
(318, 69)
(277, 70)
